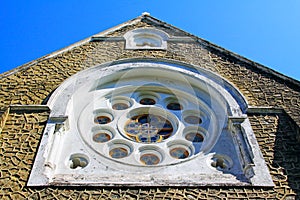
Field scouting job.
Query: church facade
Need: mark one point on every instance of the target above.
(145, 110)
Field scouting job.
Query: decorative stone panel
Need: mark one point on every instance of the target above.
(145, 38)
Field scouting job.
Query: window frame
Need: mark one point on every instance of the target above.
(45, 171)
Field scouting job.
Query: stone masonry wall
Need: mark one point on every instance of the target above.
(3, 118)
(23, 130)
(34, 82)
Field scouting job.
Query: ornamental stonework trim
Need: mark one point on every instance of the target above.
(146, 38)
(148, 123)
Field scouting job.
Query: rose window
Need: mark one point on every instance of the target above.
(149, 124)
(146, 126)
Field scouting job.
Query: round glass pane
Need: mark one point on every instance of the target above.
(194, 137)
(147, 101)
(174, 106)
(118, 152)
(102, 120)
(192, 119)
(179, 153)
(149, 159)
(120, 106)
(101, 137)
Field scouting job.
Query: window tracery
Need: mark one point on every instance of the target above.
(152, 118)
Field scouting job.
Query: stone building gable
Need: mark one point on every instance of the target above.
(32, 83)
(45, 74)
(149, 22)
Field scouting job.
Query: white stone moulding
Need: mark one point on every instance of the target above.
(104, 129)
(146, 38)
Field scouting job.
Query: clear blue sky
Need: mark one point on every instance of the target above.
(265, 31)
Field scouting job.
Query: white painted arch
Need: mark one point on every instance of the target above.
(227, 132)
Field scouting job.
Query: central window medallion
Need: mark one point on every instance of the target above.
(148, 127)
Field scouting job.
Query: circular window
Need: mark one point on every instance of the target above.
(174, 106)
(103, 117)
(180, 150)
(148, 125)
(118, 152)
(102, 134)
(147, 101)
(179, 153)
(148, 98)
(195, 117)
(150, 155)
(142, 127)
(121, 103)
(101, 137)
(194, 137)
(149, 159)
(120, 106)
(195, 134)
(172, 103)
(192, 119)
(119, 149)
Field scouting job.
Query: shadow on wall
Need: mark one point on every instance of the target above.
(286, 155)
(276, 136)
